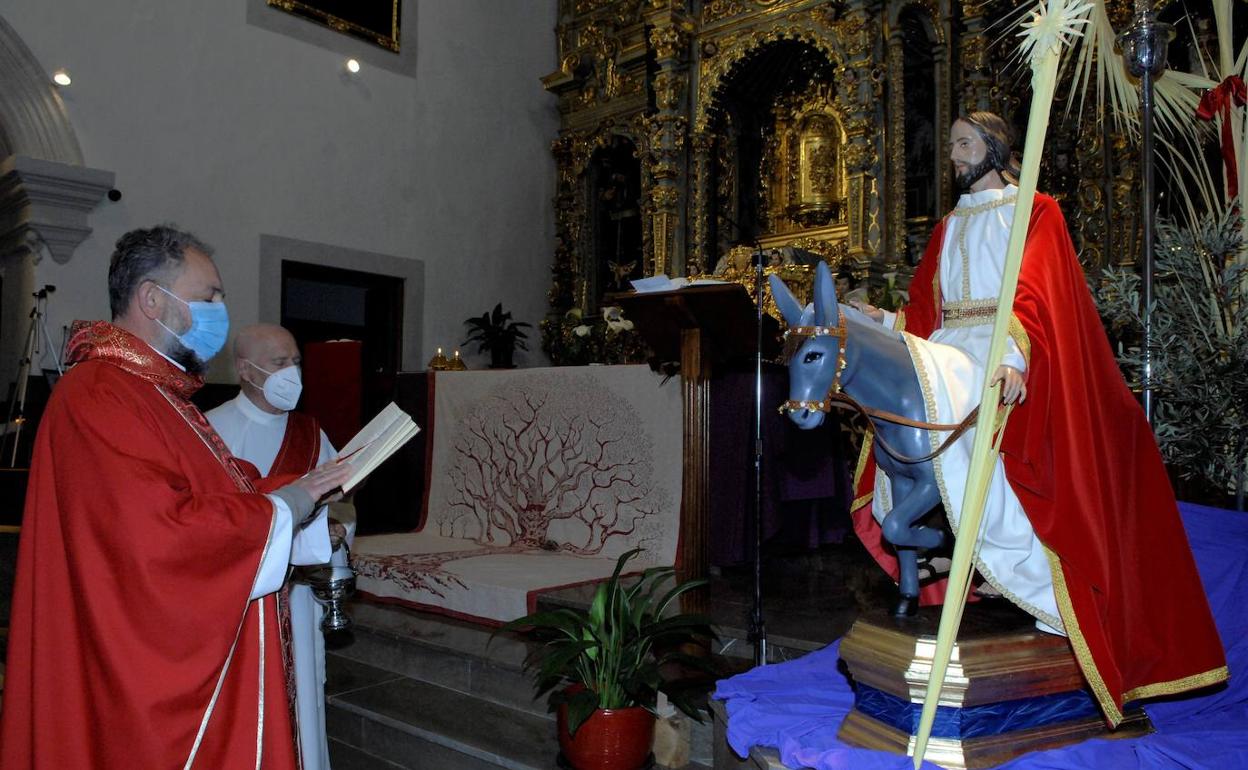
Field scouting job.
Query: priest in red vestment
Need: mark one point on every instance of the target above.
(145, 630)
(1108, 551)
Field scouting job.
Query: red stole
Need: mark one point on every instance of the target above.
(301, 446)
(1083, 462)
(133, 642)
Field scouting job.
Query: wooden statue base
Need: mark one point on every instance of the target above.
(1009, 689)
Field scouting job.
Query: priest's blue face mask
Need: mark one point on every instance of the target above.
(210, 325)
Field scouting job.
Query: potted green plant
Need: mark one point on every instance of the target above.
(602, 665)
(496, 332)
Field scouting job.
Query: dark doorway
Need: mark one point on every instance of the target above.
(322, 303)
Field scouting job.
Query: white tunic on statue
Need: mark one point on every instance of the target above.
(256, 436)
(951, 366)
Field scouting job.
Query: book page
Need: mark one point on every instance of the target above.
(384, 435)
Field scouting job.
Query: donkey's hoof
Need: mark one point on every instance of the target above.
(906, 606)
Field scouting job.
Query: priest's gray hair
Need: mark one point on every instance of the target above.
(155, 254)
(999, 136)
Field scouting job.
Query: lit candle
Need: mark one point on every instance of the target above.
(456, 355)
(439, 351)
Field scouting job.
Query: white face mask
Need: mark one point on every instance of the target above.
(283, 387)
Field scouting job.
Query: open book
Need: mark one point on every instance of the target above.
(663, 283)
(373, 445)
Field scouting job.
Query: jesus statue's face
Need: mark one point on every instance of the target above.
(972, 166)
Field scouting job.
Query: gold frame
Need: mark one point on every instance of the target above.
(306, 10)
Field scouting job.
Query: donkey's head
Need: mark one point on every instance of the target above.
(814, 345)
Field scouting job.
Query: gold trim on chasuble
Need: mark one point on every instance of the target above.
(260, 712)
(184, 410)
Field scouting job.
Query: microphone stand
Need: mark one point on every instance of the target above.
(758, 627)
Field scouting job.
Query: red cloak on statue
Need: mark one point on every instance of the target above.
(1083, 462)
(133, 641)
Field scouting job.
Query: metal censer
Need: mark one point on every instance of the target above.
(331, 586)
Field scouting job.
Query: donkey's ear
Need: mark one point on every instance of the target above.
(788, 304)
(825, 295)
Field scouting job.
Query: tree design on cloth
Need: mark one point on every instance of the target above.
(558, 465)
(561, 468)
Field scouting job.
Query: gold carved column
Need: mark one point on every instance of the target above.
(665, 134)
(896, 170)
(977, 81)
(857, 94)
(700, 256)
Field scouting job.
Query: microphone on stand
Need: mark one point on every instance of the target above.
(757, 633)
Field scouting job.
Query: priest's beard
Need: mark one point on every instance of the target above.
(187, 359)
(974, 174)
(181, 354)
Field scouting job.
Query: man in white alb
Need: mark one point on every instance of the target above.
(260, 427)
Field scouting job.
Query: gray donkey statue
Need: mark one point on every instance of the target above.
(836, 348)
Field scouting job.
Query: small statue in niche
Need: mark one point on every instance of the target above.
(620, 229)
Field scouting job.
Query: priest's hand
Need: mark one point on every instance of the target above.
(1013, 384)
(870, 311)
(322, 480)
(317, 487)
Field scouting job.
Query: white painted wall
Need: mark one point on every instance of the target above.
(231, 130)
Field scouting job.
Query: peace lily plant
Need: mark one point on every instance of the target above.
(617, 648)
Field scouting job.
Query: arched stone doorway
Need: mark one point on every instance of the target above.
(46, 191)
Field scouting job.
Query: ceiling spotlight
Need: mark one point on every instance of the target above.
(353, 66)
(61, 78)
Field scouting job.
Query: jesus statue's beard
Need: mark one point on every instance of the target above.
(975, 173)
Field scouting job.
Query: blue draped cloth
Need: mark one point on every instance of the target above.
(797, 707)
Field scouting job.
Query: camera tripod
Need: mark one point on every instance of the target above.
(31, 353)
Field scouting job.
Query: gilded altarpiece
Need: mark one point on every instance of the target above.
(694, 133)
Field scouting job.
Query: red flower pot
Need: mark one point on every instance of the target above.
(611, 739)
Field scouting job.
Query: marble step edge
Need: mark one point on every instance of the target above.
(465, 741)
(439, 633)
(461, 744)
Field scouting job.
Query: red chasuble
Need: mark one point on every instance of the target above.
(1083, 462)
(133, 641)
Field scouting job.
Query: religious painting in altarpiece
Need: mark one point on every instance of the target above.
(376, 21)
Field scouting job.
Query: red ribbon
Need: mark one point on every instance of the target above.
(1219, 100)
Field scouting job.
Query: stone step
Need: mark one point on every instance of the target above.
(377, 714)
(455, 654)
(344, 757)
(376, 718)
(397, 651)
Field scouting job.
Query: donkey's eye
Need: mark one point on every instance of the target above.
(812, 357)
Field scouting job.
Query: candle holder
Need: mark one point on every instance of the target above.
(439, 362)
(1144, 44)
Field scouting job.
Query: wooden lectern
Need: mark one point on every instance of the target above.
(701, 327)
